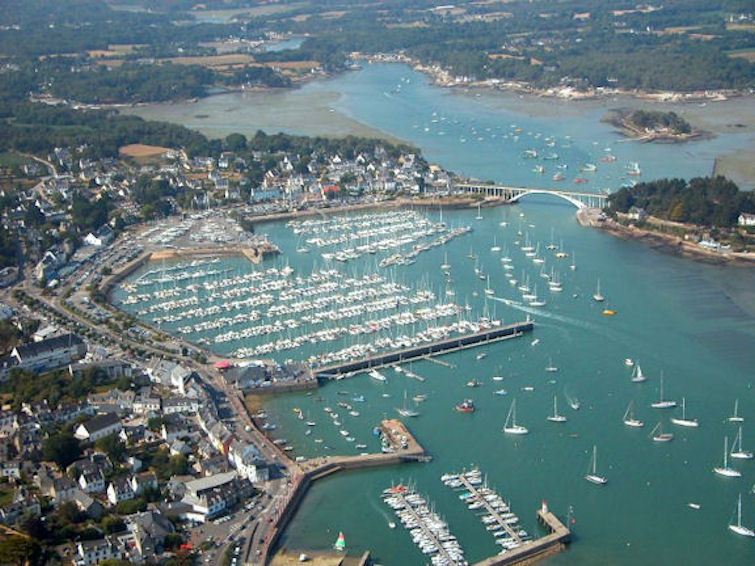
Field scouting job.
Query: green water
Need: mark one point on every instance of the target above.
(692, 321)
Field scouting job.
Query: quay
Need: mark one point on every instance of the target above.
(336, 371)
(533, 551)
(405, 449)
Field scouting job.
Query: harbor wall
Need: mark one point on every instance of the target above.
(445, 345)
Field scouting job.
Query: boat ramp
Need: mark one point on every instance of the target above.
(452, 344)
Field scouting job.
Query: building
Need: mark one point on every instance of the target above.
(119, 490)
(92, 481)
(102, 237)
(90, 552)
(49, 354)
(99, 427)
(746, 219)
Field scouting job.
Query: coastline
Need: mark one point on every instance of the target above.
(665, 243)
(619, 119)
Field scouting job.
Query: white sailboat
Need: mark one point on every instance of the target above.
(663, 403)
(510, 427)
(479, 214)
(637, 375)
(445, 266)
(725, 470)
(555, 417)
(658, 435)
(684, 421)
(593, 476)
(736, 448)
(488, 290)
(495, 247)
(629, 419)
(738, 527)
(550, 368)
(735, 418)
(597, 295)
(573, 265)
(404, 412)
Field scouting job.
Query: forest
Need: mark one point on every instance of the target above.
(706, 201)
(653, 120)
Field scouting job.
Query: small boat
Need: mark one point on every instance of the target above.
(593, 476)
(391, 525)
(629, 419)
(684, 421)
(474, 383)
(377, 376)
(589, 168)
(404, 412)
(695, 506)
(510, 426)
(658, 435)
(609, 312)
(419, 398)
(480, 356)
(597, 295)
(555, 417)
(629, 362)
(738, 527)
(736, 448)
(466, 406)
(637, 375)
(558, 177)
(535, 342)
(501, 392)
(663, 403)
(725, 470)
(550, 367)
(735, 418)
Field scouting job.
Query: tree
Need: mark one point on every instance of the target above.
(19, 550)
(68, 513)
(113, 524)
(112, 446)
(235, 142)
(61, 448)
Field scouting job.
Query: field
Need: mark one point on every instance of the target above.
(748, 54)
(138, 150)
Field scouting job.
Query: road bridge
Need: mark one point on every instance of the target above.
(513, 194)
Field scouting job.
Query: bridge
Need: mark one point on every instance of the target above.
(513, 194)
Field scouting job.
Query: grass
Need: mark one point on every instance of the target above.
(13, 159)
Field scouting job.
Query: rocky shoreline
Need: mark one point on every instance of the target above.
(620, 119)
(665, 243)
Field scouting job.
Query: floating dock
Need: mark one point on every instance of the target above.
(336, 371)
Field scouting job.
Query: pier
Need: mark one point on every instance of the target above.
(490, 509)
(335, 371)
(536, 550)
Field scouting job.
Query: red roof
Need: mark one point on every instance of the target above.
(223, 365)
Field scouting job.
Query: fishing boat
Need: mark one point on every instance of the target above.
(736, 448)
(510, 426)
(634, 169)
(377, 376)
(597, 295)
(735, 418)
(340, 544)
(658, 435)
(555, 417)
(629, 419)
(593, 476)
(637, 375)
(466, 406)
(738, 527)
(684, 421)
(663, 403)
(725, 470)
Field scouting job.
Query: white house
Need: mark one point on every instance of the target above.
(91, 552)
(119, 490)
(746, 219)
(92, 481)
(99, 427)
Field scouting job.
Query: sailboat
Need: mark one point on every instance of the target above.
(659, 436)
(597, 295)
(573, 265)
(629, 419)
(340, 544)
(510, 427)
(637, 375)
(488, 290)
(736, 448)
(726, 471)
(663, 403)
(479, 214)
(735, 418)
(404, 412)
(377, 376)
(684, 421)
(739, 528)
(445, 266)
(550, 368)
(555, 417)
(495, 247)
(593, 476)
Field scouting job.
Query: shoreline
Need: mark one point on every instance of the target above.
(619, 119)
(664, 243)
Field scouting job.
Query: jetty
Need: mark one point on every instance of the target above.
(446, 345)
(534, 551)
(492, 511)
